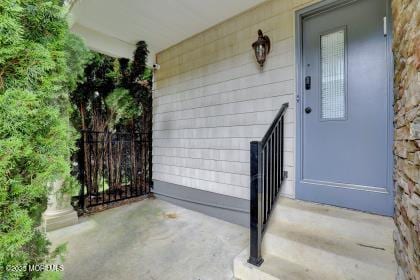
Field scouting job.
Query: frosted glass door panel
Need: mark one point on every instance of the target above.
(333, 100)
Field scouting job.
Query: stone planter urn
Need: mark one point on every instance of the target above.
(59, 211)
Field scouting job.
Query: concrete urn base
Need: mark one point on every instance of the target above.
(59, 212)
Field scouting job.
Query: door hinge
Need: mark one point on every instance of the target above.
(297, 98)
(385, 27)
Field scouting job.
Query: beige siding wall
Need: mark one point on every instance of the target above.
(212, 99)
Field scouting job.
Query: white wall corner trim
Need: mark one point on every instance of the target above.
(103, 43)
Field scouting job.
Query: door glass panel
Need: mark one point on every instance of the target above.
(333, 76)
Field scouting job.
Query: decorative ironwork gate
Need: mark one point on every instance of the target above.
(113, 167)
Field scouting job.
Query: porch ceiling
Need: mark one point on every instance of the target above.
(113, 27)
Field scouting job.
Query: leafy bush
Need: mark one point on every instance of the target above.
(122, 107)
(114, 94)
(40, 62)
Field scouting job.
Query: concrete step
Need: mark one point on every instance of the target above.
(273, 268)
(368, 229)
(329, 254)
(312, 241)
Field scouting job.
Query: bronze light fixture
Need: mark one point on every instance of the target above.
(261, 47)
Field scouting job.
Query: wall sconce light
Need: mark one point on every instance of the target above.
(261, 47)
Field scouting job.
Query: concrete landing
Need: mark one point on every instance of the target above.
(311, 241)
(150, 240)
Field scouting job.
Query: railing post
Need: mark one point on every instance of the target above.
(149, 162)
(81, 174)
(282, 150)
(255, 204)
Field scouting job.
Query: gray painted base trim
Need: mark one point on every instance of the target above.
(228, 208)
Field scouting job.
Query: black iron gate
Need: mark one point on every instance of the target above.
(113, 167)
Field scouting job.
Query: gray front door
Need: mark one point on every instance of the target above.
(345, 108)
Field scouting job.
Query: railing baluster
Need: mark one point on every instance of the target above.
(270, 185)
(90, 168)
(282, 149)
(110, 176)
(266, 191)
(103, 170)
(278, 165)
(274, 165)
(97, 167)
(81, 165)
(264, 185)
(270, 175)
(273, 171)
(132, 164)
(279, 155)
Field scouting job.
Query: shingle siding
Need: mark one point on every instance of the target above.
(212, 99)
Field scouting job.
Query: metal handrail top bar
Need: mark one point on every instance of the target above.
(280, 113)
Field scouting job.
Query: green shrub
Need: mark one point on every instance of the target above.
(40, 62)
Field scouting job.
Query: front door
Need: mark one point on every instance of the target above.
(345, 108)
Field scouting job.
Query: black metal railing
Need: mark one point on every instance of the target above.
(113, 167)
(267, 175)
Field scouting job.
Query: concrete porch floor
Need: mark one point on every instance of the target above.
(150, 239)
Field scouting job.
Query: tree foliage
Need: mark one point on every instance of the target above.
(40, 62)
(114, 93)
(122, 107)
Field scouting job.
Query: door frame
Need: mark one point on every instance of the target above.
(315, 9)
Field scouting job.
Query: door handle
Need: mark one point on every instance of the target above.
(308, 110)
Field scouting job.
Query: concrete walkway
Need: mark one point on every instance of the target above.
(150, 239)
